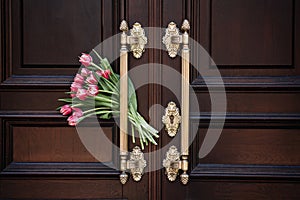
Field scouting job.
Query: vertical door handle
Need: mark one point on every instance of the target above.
(175, 161)
(136, 163)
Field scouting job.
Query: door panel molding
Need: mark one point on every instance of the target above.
(9, 167)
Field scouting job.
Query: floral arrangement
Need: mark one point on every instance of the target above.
(95, 91)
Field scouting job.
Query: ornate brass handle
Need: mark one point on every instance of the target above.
(172, 41)
(137, 41)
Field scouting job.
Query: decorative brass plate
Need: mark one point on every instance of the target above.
(172, 163)
(172, 39)
(137, 40)
(171, 119)
(136, 163)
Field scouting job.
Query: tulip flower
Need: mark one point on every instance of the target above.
(72, 120)
(81, 94)
(75, 86)
(91, 79)
(77, 112)
(93, 90)
(79, 79)
(104, 73)
(85, 59)
(85, 72)
(66, 110)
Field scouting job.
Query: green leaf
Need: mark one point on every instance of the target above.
(132, 133)
(105, 116)
(67, 100)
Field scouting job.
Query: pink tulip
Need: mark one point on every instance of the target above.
(104, 73)
(85, 72)
(72, 120)
(66, 110)
(81, 94)
(75, 86)
(91, 79)
(72, 95)
(85, 59)
(79, 79)
(77, 112)
(93, 90)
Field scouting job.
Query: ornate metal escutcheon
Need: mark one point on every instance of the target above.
(171, 119)
(172, 163)
(137, 40)
(136, 163)
(172, 39)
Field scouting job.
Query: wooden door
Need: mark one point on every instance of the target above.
(256, 47)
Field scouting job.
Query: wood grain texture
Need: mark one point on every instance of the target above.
(56, 144)
(55, 38)
(253, 102)
(244, 190)
(59, 188)
(252, 32)
(256, 146)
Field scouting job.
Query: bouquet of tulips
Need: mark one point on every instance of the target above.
(95, 91)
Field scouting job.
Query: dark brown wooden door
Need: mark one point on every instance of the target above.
(256, 46)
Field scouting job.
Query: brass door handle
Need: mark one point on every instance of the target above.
(137, 41)
(172, 41)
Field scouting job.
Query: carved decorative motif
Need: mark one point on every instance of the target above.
(137, 163)
(172, 39)
(171, 119)
(123, 178)
(138, 40)
(184, 177)
(185, 25)
(124, 26)
(172, 163)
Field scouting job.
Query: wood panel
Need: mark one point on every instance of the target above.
(262, 44)
(253, 101)
(252, 32)
(54, 38)
(56, 144)
(31, 100)
(36, 143)
(255, 146)
(244, 190)
(44, 38)
(60, 189)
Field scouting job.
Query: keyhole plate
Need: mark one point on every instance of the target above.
(171, 119)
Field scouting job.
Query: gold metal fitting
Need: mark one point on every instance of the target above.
(136, 165)
(172, 38)
(171, 119)
(173, 164)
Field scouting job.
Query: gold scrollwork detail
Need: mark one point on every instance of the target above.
(137, 40)
(171, 119)
(172, 163)
(172, 39)
(136, 163)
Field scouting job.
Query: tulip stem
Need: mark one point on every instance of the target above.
(94, 109)
(97, 54)
(94, 65)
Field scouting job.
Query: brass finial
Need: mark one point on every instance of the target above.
(124, 26)
(185, 25)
